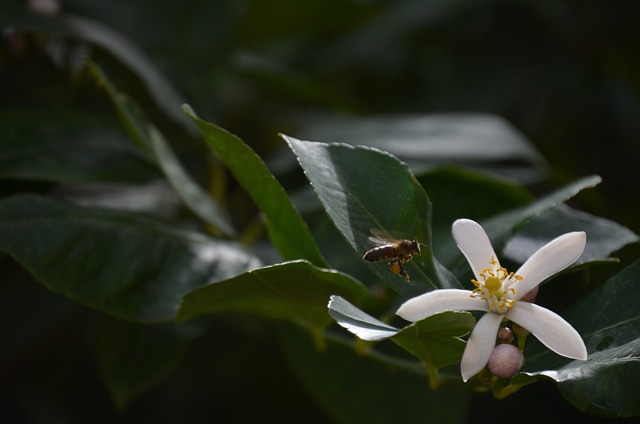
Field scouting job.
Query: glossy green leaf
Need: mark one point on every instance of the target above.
(361, 389)
(483, 141)
(502, 227)
(604, 237)
(459, 192)
(609, 321)
(133, 358)
(96, 33)
(127, 265)
(296, 291)
(68, 146)
(148, 136)
(434, 340)
(363, 188)
(288, 231)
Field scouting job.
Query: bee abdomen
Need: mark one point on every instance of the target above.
(381, 253)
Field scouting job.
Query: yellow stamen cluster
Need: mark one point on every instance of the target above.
(492, 289)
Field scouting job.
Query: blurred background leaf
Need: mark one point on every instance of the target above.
(69, 146)
(127, 265)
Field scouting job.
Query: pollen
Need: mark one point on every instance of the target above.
(494, 288)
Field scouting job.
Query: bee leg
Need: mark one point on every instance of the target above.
(397, 268)
(404, 274)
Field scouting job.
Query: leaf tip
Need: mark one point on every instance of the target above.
(332, 299)
(189, 110)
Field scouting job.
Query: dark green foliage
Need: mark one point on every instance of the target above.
(151, 269)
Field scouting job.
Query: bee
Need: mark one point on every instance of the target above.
(397, 251)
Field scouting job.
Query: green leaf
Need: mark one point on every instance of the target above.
(362, 188)
(483, 141)
(288, 231)
(76, 27)
(603, 236)
(68, 146)
(296, 291)
(134, 358)
(147, 135)
(500, 228)
(126, 265)
(434, 340)
(357, 322)
(459, 192)
(609, 321)
(359, 389)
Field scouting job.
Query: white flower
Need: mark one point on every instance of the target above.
(498, 292)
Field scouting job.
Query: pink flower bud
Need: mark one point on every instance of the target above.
(505, 361)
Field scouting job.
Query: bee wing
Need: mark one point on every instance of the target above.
(380, 237)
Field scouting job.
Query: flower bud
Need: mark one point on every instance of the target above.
(531, 295)
(505, 335)
(505, 361)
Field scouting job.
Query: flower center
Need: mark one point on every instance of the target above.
(493, 283)
(492, 287)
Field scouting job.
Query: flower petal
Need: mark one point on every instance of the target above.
(480, 345)
(438, 301)
(551, 258)
(550, 328)
(474, 244)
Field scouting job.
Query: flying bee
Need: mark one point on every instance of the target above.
(397, 251)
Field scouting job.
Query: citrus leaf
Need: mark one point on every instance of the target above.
(295, 291)
(288, 231)
(363, 188)
(434, 340)
(148, 136)
(126, 265)
(460, 192)
(483, 141)
(358, 322)
(609, 321)
(500, 228)
(604, 237)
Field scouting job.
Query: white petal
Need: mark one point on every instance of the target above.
(551, 258)
(474, 244)
(550, 328)
(480, 345)
(438, 301)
